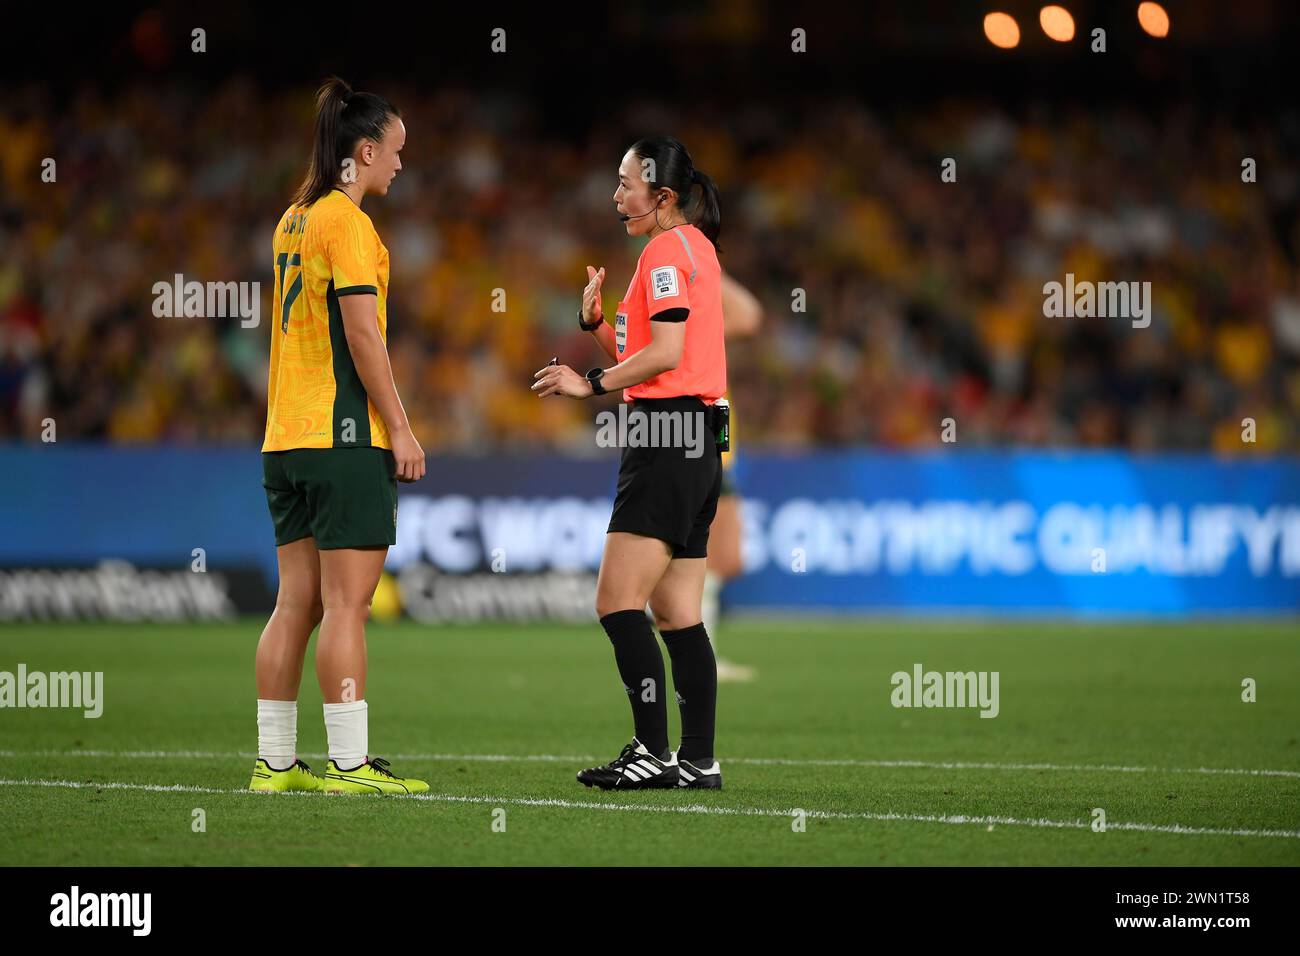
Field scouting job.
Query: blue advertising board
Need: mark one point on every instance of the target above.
(1075, 533)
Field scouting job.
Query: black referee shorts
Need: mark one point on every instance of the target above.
(663, 493)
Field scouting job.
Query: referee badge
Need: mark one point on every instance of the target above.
(663, 281)
(620, 328)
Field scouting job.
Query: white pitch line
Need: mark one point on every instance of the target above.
(754, 761)
(697, 808)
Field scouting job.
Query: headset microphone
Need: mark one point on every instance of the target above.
(652, 211)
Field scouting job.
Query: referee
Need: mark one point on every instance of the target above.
(667, 345)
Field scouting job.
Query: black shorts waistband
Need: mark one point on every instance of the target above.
(676, 401)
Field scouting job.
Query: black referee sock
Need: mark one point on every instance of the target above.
(641, 665)
(695, 676)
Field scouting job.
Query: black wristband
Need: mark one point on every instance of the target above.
(593, 378)
(589, 328)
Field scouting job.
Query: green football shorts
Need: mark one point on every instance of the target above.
(342, 497)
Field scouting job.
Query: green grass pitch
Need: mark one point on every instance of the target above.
(1135, 719)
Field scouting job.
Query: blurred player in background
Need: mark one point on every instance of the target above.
(741, 316)
(669, 348)
(337, 441)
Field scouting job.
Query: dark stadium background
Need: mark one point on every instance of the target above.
(197, 150)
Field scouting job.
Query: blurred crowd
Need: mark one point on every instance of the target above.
(893, 300)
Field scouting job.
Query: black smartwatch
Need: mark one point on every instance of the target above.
(589, 328)
(593, 378)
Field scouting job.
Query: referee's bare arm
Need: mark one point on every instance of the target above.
(742, 313)
(370, 356)
(605, 336)
(662, 354)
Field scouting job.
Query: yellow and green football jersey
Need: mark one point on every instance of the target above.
(315, 398)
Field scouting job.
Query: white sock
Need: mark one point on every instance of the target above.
(711, 605)
(277, 732)
(348, 733)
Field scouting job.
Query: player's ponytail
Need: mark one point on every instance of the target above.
(342, 118)
(667, 164)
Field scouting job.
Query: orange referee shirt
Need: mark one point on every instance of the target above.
(678, 269)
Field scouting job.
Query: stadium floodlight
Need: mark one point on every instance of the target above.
(1154, 19)
(1002, 30)
(1057, 23)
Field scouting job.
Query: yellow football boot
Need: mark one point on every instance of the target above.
(373, 776)
(297, 777)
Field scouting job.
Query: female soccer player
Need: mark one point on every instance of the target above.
(667, 343)
(337, 441)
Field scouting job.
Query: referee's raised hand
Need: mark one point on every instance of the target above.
(591, 308)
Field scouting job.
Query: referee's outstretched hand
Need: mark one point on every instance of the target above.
(560, 380)
(591, 308)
